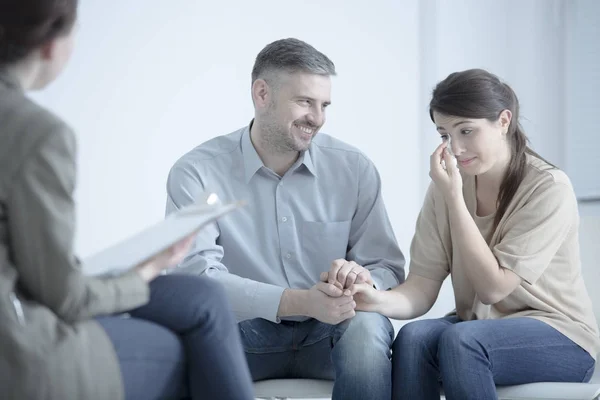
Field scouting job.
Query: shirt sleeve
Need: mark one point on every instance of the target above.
(372, 242)
(428, 255)
(533, 233)
(249, 299)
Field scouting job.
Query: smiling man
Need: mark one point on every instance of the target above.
(315, 223)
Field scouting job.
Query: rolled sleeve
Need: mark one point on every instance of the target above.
(372, 241)
(532, 235)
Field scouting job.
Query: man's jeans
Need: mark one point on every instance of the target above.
(356, 353)
(470, 358)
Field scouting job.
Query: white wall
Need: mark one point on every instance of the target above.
(582, 65)
(149, 81)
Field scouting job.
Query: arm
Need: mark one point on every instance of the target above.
(429, 266)
(41, 220)
(534, 233)
(410, 300)
(490, 280)
(372, 242)
(249, 299)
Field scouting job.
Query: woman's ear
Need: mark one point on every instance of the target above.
(47, 50)
(504, 120)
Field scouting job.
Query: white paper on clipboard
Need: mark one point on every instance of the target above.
(149, 242)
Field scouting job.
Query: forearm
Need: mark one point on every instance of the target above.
(480, 264)
(113, 295)
(250, 299)
(292, 303)
(403, 302)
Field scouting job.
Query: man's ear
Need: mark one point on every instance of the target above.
(261, 93)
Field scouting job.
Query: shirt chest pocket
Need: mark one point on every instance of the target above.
(323, 242)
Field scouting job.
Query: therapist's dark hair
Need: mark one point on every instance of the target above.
(479, 94)
(25, 25)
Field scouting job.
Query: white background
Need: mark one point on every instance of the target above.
(151, 79)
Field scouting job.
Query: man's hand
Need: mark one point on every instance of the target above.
(346, 273)
(329, 304)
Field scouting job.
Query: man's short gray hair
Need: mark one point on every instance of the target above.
(291, 55)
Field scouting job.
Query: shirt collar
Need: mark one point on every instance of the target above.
(253, 163)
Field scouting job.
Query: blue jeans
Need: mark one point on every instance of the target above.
(184, 342)
(355, 353)
(471, 358)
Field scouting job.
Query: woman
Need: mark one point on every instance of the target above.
(503, 222)
(57, 338)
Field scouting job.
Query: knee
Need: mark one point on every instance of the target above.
(210, 297)
(413, 337)
(364, 343)
(196, 289)
(458, 338)
(367, 329)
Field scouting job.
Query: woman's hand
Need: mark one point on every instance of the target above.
(366, 297)
(166, 259)
(448, 180)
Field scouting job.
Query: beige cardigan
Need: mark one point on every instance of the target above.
(50, 347)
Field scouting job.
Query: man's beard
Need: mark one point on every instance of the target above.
(277, 137)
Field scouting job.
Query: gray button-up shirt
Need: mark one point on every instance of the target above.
(328, 205)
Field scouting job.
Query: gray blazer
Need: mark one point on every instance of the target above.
(50, 347)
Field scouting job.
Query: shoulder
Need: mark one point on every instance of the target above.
(30, 131)
(544, 181)
(216, 150)
(339, 152)
(545, 193)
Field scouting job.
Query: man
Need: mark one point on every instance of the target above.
(315, 223)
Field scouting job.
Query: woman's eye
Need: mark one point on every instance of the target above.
(444, 137)
(466, 131)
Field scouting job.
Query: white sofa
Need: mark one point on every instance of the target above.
(590, 256)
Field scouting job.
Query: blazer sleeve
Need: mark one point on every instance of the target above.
(41, 221)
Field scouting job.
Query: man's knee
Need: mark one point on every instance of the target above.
(367, 331)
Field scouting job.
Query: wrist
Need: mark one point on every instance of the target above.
(292, 303)
(381, 301)
(456, 200)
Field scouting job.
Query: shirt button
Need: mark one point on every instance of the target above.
(288, 256)
(284, 219)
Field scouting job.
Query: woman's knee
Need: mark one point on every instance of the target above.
(414, 340)
(458, 338)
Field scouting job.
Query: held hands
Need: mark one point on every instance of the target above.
(329, 303)
(366, 297)
(166, 259)
(346, 273)
(448, 180)
(356, 280)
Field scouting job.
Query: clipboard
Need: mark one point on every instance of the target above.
(144, 245)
